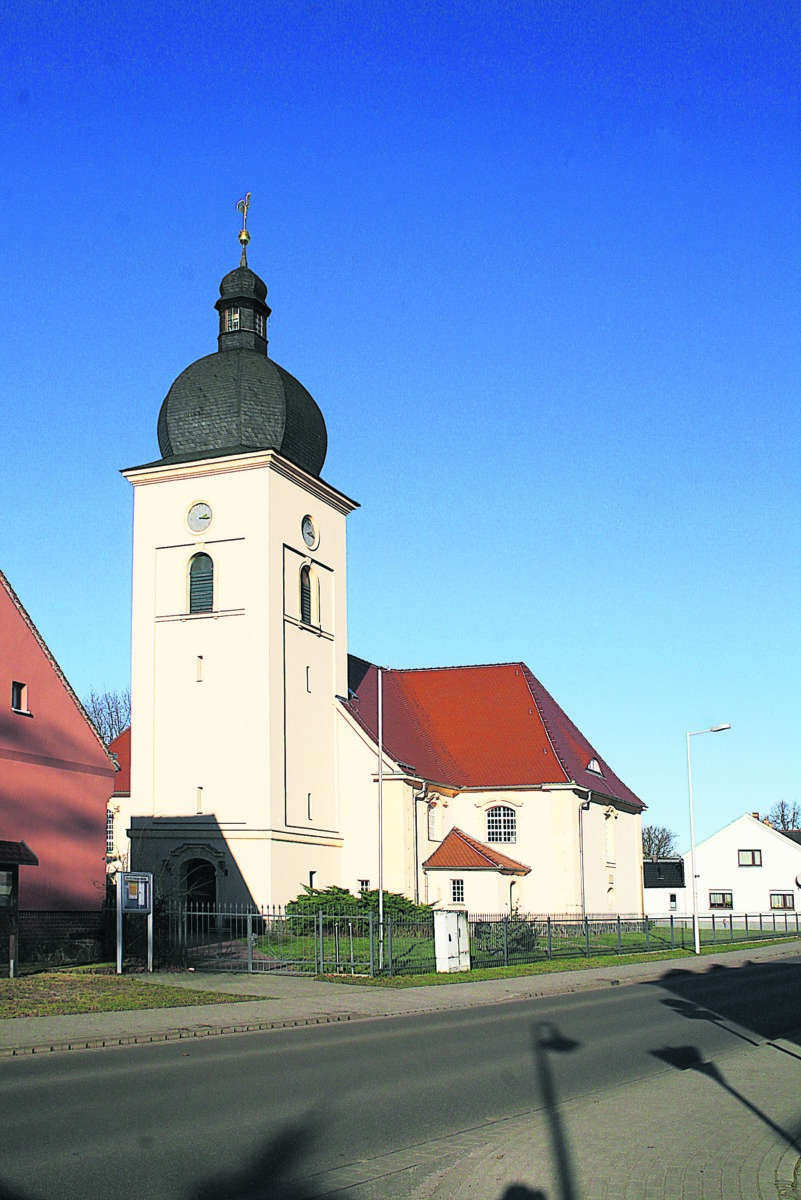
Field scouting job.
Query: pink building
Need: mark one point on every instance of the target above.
(55, 773)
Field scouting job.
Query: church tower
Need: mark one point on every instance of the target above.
(239, 626)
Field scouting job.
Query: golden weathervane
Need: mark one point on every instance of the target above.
(242, 206)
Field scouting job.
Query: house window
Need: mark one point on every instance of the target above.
(749, 858)
(309, 806)
(782, 900)
(721, 900)
(109, 832)
(501, 824)
(457, 891)
(201, 584)
(364, 885)
(672, 901)
(260, 324)
(19, 696)
(594, 766)
(231, 319)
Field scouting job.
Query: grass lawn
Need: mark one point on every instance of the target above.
(546, 967)
(59, 993)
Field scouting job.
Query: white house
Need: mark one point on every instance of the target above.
(748, 866)
(254, 741)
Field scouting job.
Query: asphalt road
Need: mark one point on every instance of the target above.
(271, 1115)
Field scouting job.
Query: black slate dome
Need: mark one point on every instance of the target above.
(239, 399)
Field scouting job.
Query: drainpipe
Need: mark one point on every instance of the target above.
(417, 798)
(583, 807)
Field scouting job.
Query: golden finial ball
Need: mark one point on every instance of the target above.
(244, 236)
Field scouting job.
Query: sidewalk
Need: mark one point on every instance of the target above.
(280, 1001)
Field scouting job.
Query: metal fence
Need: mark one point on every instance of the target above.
(238, 939)
(506, 941)
(234, 939)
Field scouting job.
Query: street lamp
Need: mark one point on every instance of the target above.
(696, 733)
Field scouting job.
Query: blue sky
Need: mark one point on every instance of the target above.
(539, 265)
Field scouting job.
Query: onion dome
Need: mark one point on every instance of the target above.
(238, 399)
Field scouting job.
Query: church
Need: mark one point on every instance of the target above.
(261, 752)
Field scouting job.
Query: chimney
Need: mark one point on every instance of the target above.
(755, 816)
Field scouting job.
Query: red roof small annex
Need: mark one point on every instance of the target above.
(461, 852)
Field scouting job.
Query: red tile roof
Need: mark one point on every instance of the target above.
(461, 852)
(479, 727)
(121, 746)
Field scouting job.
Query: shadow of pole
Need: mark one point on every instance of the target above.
(548, 1040)
(689, 1058)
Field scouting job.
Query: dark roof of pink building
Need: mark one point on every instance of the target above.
(17, 854)
(459, 851)
(121, 746)
(491, 726)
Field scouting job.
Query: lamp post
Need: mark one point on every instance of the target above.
(696, 733)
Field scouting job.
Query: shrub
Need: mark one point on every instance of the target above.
(340, 901)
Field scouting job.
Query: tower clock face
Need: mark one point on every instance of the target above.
(199, 517)
(309, 531)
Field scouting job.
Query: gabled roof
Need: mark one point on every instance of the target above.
(121, 746)
(491, 726)
(460, 852)
(18, 605)
(793, 834)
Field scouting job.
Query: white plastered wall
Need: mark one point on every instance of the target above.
(214, 695)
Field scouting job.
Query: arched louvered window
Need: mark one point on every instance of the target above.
(305, 595)
(501, 824)
(201, 584)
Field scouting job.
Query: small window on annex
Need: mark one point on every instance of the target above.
(783, 900)
(457, 891)
(19, 696)
(201, 584)
(501, 824)
(364, 885)
(721, 900)
(749, 858)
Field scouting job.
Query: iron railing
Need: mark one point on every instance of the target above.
(242, 939)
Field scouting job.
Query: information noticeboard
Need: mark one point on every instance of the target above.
(137, 892)
(135, 898)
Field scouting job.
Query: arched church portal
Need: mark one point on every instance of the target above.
(199, 883)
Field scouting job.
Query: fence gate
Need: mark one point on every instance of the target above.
(217, 939)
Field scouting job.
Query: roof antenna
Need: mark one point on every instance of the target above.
(242, 206)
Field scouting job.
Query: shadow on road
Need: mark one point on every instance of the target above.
(761, 997)
(547, 1040)
(689, 1058)
(266, 1175)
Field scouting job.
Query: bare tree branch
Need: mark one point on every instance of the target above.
(109, 712)
(658, 841)
(785, 816)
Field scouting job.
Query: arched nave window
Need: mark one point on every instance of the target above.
(201, 584)
(501, 824)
